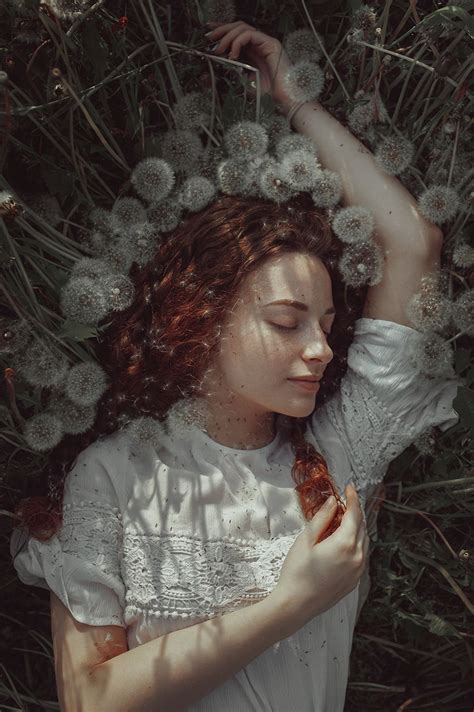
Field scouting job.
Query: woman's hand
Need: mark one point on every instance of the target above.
(253, 47)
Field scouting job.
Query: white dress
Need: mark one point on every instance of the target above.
(157, 539)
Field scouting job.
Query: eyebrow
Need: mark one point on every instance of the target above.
(297, 305)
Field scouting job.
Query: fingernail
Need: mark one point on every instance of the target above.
(213, 46)
(330, 500)
(206, 34)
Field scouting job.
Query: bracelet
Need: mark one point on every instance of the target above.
(293, 109)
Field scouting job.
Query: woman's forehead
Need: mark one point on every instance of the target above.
(289, 276)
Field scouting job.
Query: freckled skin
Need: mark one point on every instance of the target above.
(247, 383)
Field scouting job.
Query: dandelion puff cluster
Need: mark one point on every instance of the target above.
(362, 264)
(245, 140)
(364, 18)
(371, 110)
(299, 169)
(196, 193)
(209, 161)
(145, 430)
(141, 241)
(82, 299)
(395, 154)
(192, 110)
(46, 207)
(439, 203)
(75, 419)
(303, 45)
(353, 224)
(463, 255)
(429, 309)
(43, 432)
(272, 184)
(86, 383)
(432, 356)
(463, 312)
(119, 292)
(153, 179)
(14, 335)
(294, 142)
(327, 189)
(304, 81)
(166, 215)
(219, 10)
(181, 148)
(233, 176)
(127, 211)
(40, 367)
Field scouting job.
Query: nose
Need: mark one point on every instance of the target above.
(319, 350)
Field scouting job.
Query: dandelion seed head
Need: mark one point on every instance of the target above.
(353, 224)
(141, 242)
(364, 18)
(367, 113)
(153, 179)
(127, 211)
(429, 310)
(46, 207)
(181, 149)
(272, 184)
(302, 45)
(245, 140)
(118, 255)
(43, 432)
(186, 413)
(426, 442)
(83, 300)
(196, 193)
(294, 142)
(463, 255)
(119, 292)
(75, 419)
(395, 154)
(327, 189)
(299, 169)
(86, 383)
(145, 430)
(439, 203)
(233, 176)
(432, 357)
(165, 216)
(192, 110)
(14, 335)
(209, 162)
(361, 265)
(276, 127)
(101, 220)
(304, 81)
(41, 367)
(92, 267)
(463, 312)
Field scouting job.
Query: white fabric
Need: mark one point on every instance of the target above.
(160, 539)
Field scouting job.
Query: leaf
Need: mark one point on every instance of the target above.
(95, 51)
(440, 627)
(77, 331)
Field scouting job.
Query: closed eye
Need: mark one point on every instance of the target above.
(292, 328)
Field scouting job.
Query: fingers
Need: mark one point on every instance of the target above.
(352, 517)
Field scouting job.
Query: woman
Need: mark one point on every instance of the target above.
(187, 573)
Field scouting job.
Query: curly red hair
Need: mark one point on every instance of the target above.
(155, 351)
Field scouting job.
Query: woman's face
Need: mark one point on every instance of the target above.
(263, 345)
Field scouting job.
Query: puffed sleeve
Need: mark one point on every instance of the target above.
(384, 403)
(81, 562)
